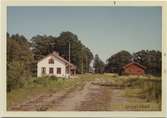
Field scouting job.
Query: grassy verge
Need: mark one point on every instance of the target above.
(44, 85)
(145, 87)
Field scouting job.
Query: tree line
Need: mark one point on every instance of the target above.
(151, 59)
(23, 55)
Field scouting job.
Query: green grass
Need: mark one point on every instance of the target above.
(36, 86)
(147, 87)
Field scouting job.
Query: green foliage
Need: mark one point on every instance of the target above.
(81, 56)
(22, 56)
(16, 75)
(98, 64)
(43, 85)
(152, 60)
(116, 61)
(19, 61)
(53, 77)
(143, 87)
(148, 88)
(45, 79)
(41, 81)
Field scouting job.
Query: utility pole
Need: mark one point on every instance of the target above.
(86, 64)
(82, 62)
(69, 69)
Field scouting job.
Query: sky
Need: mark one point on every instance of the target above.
(104, 30)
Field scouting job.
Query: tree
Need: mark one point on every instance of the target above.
(117, 61)
(98, 64)
(19, 61)
(151, 59)
(42, 46)
(81, 56)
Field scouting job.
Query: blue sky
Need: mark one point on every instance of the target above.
(105, 30)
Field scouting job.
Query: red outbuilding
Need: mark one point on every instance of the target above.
(133, 68)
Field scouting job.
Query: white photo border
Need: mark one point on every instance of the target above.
(3, 16)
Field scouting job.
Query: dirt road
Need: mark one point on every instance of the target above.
(91, 97)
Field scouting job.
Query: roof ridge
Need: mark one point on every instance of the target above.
(134, 63)
(56, 54)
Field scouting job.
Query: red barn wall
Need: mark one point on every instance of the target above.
(134, 70)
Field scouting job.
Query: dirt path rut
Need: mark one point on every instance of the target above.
(90, 97)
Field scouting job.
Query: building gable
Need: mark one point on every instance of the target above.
(135, 64)
(56, 56)
(46, 60)
(53, 64)
(134, 69)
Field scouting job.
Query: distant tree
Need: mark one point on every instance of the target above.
(23, 55)
(98, 65)
(19, 60)
(151, 59)
(117, 61)
(81, 56)
(42, 45)
(21, 40)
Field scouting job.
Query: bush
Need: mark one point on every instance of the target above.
(41, 80)
(16, 75)
(53, 77)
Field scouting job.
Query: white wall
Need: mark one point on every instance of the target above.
(57, 64)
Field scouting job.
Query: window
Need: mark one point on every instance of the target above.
(43, 69)
(51, 61)
(58, 70)
(50, 70)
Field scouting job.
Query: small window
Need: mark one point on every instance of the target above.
(43, 69)
(58, 70)
(51, 61)
(51, 70)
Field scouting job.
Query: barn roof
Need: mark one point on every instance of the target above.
(56, 54)
(134, 63)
